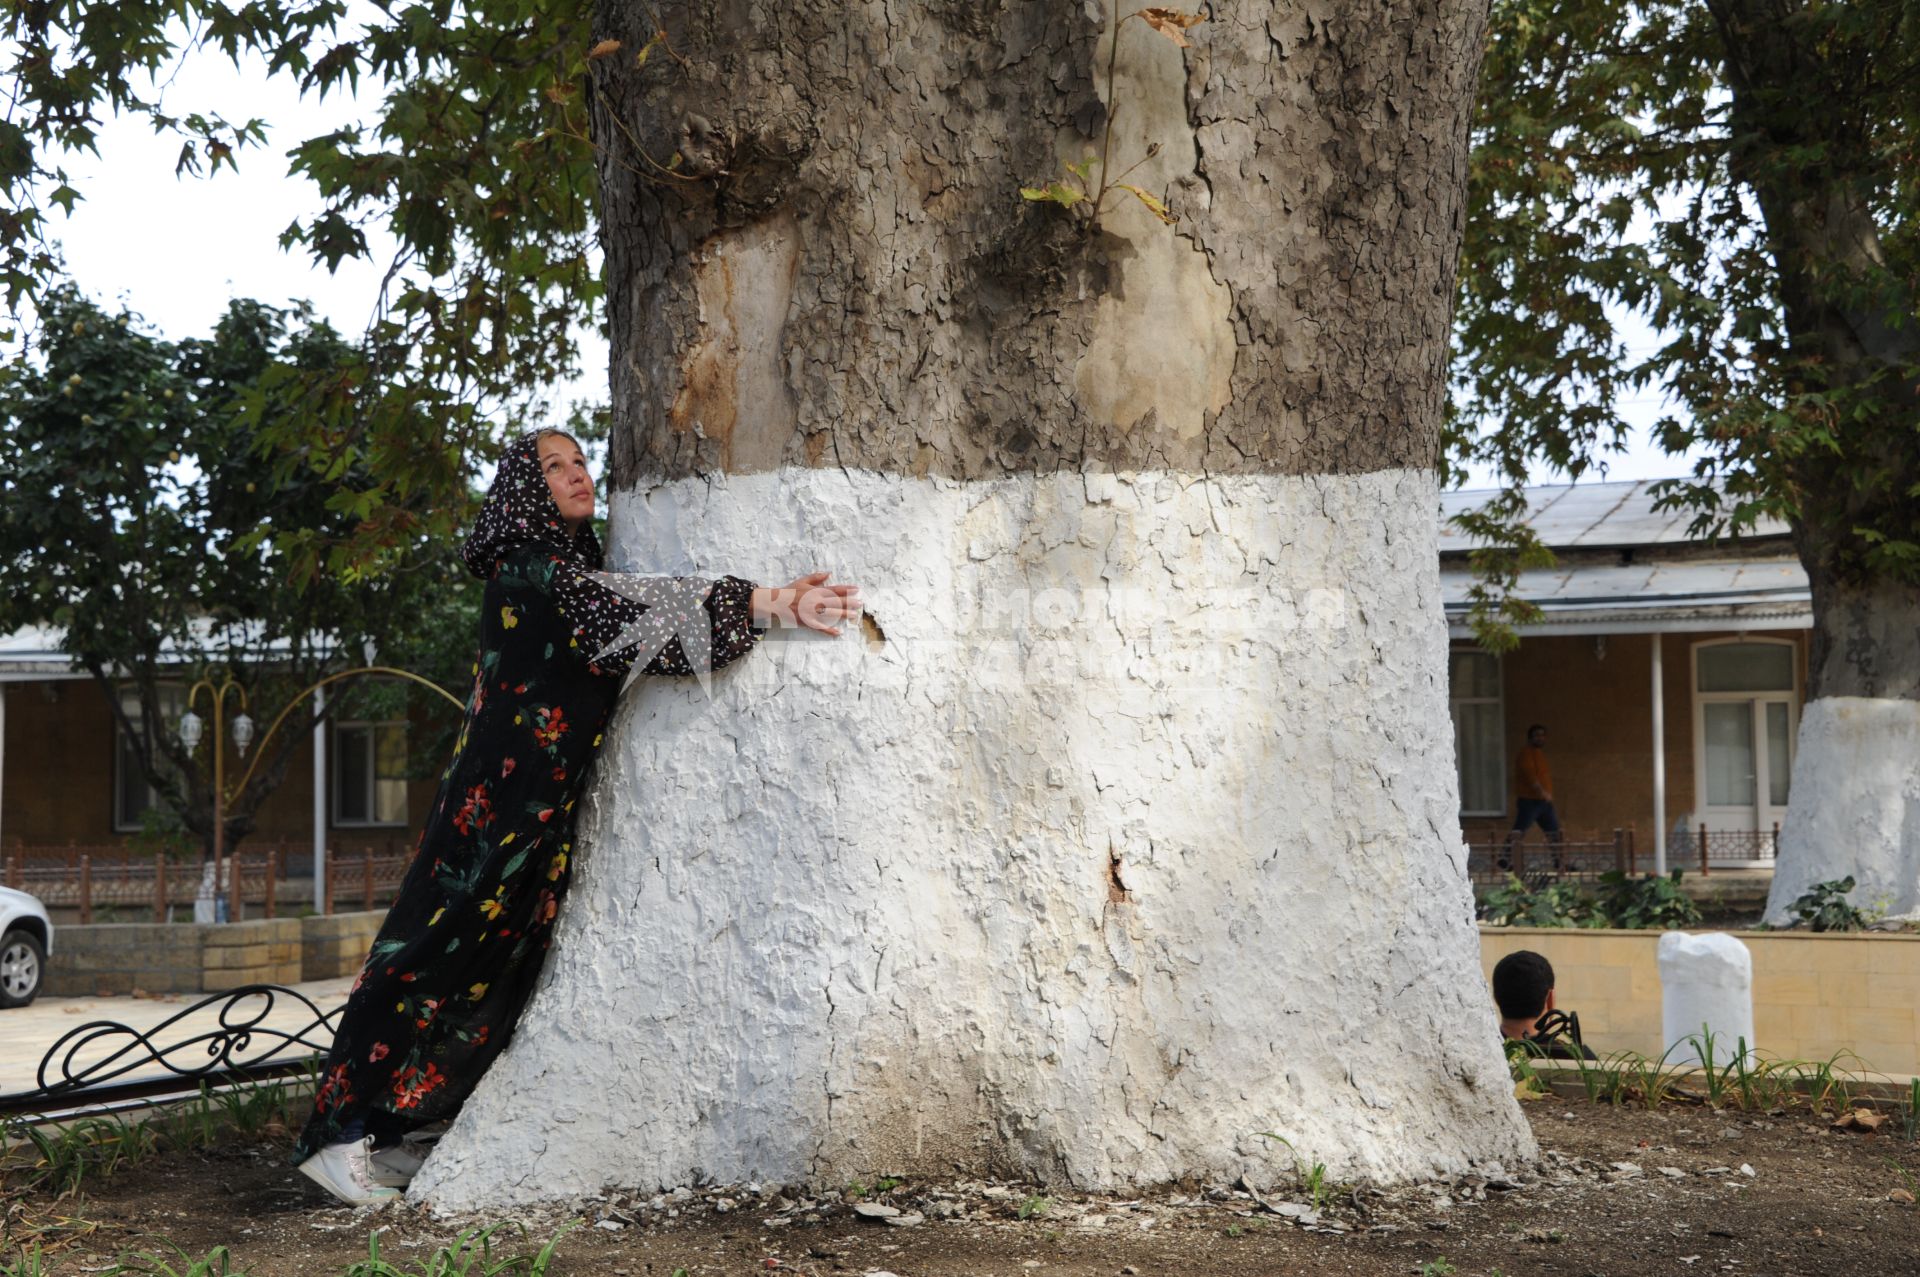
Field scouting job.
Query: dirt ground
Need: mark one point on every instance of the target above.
(1686, 1190)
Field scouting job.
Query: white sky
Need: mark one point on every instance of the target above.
(176, 250)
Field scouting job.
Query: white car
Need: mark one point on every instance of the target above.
(26, 938)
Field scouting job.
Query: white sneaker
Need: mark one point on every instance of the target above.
(394, 1166)
(344, 1171)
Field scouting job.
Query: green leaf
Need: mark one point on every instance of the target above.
(1054, 193)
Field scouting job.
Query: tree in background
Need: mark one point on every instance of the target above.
(136, 520)
(1742, 174)
(478, 163)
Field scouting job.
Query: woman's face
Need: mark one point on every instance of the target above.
(565, 468)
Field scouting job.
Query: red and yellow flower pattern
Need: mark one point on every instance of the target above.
(457, 956)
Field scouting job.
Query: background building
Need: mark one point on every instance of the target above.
(1670, 672)
(71, 787)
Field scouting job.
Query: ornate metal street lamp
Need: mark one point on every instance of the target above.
(190, 733)
(386, 671)
(190, 729)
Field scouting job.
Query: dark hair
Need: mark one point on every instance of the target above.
(1535, 727)
(1521, 983)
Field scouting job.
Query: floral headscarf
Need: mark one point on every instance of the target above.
(519, 508)
(666, 624)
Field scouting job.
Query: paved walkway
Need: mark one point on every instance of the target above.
(27, 1032)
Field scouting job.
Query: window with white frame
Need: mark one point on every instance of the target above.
(370, 774)
(132, 795)
(1479, 737)
(1746, 707)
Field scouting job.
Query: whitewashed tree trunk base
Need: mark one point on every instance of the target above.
(1855, 806)
(1094, 885)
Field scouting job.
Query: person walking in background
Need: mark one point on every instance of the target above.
(1533, 789)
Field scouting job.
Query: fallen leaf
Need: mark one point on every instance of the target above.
(1900, 1195)
(1859, 1120)
(602, 49)
(1172, 23)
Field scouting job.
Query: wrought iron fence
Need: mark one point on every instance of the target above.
(1491, 858)
(257, 1032)
(1589, 854)
(1733, 846)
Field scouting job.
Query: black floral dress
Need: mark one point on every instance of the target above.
(457, 956)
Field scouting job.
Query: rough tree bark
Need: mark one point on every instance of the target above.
(1855, 792)
(1126, 829)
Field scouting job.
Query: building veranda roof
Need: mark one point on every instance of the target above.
(1626, 568)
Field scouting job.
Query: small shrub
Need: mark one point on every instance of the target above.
(1557, 904)
(1825, 908)
(1624, 901)
(1636, 903)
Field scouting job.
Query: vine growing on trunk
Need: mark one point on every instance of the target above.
(1076, 191)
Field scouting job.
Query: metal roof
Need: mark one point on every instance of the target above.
(1760, 586)
(1642, 598)
(33, 652)
(1589, 516)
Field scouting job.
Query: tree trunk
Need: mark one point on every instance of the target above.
(1855, 795)
(1854, 806)
(1126, 828)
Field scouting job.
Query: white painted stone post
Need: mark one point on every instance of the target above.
(1706, 988)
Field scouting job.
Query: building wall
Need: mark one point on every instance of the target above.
(57, 784)
(1598, 713)
(1814, 995)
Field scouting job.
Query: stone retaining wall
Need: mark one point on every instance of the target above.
(1814, 994)
(120, 958)
(336, 945)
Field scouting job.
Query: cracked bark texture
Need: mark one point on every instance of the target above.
(867, 157)
(1128, 831)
